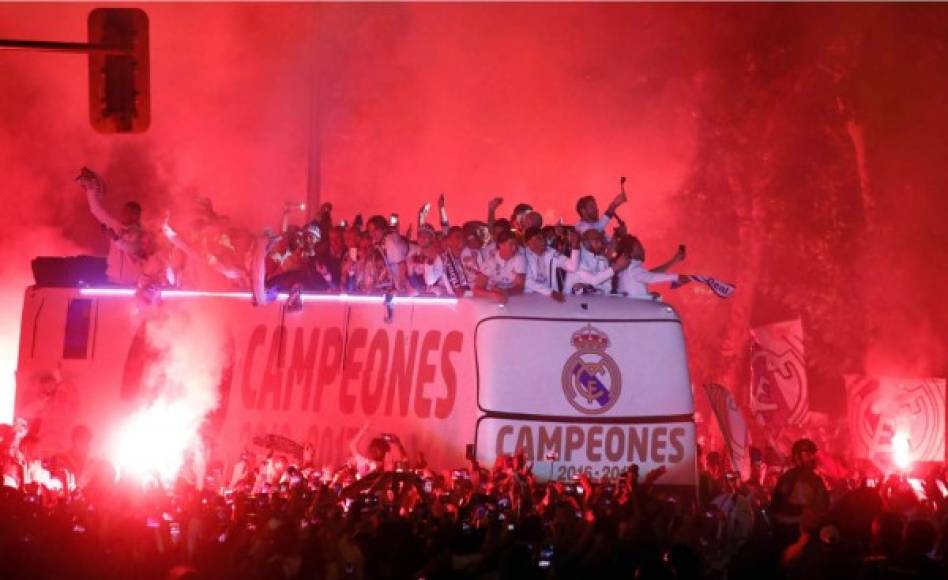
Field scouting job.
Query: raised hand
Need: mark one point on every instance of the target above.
(88, 179)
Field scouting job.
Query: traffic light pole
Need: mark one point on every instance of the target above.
(52, 46)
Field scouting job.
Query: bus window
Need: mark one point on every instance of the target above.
(76, 338)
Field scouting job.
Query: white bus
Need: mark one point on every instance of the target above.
(591, 385)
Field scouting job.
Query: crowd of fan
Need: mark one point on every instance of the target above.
(382, 516)
(495, 258)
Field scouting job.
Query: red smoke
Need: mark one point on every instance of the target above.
(538, 103)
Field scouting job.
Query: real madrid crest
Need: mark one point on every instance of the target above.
(591, 379)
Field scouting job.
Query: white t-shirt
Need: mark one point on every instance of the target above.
(593, 270)
(502, 274)
(416, 262)
(124, 264)
(582, 226)
(472, 260)
(541, 270)
(489, 249)
(394, 249)
(633, 280)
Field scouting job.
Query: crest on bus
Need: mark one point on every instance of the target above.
(591, 378)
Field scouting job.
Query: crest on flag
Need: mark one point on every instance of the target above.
(881, 407)
(778, 392)
(591, 378)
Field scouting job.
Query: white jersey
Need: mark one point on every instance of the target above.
(582, 226)
(395, 248)
(489, 249)
(502, 273)
(394, 251)
(472, 260)
(123, 266)
(124, 263)
(633, 280)
(593, 270)
(415, 259)
(541, 269)
(417, 267)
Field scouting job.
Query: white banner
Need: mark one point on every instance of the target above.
(879, 408)
(599, 450)
(779, 393)
(733, 427)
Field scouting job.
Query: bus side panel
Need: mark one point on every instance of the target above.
(315, 376)
(343, 368)
(47, 387)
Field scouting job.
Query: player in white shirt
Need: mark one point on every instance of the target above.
(447, 273)
(472, 258)
(503, 273)
(393, 249)
(490, 247)
(543, 261)
(633, 280)
(420, 258)
(594, 272)
(126, 258)
(589, 217)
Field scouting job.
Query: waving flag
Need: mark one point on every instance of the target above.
(779, 394)
(719, 287)
(733, 427)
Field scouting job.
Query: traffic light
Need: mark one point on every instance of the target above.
(119, 94)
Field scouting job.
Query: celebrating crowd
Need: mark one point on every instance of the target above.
(495, 258)
(387, 515)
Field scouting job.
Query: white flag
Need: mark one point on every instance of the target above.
(779, 392)
(719, 287)
(733, 427)
(883, 410)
